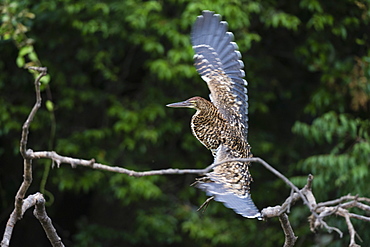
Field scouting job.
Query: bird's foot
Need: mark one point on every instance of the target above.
(205, 204)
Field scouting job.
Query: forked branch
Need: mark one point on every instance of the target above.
(21, 204)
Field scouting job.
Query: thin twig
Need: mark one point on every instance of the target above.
(270, 212)
(287, 181)
(356, 204)
(351, 229)
(26, 125)
(290, 203)
(359, 217)
(330, 228)
(58, 159)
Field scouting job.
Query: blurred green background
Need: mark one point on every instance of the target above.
(114, 65)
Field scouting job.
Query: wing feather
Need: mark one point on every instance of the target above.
(231, 190)
(217, 60)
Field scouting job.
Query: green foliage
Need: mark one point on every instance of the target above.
(280, 19)
(345, 144)
(91, 234)
(114, 65)
(129, 189)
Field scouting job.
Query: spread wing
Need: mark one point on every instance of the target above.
(229, 183)
(218, 62)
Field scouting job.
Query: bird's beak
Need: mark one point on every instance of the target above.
(181, 104)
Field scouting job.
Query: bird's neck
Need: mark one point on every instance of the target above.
(209, 113)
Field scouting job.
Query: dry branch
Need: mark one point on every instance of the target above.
(21, 204)
(40, 214)
(290, 238)
(319, 211)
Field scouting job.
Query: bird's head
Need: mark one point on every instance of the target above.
(197, 103)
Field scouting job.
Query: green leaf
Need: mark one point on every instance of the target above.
(25, 50)
(49, 105)
(33, 56)
(45, 79)
(20, 61)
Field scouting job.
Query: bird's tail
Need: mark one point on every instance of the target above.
(241, 204)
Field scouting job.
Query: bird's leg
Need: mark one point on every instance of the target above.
(200, 180)
(205, 204)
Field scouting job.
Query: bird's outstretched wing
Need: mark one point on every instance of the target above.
(217, 60)
(229, 183)
(242, 205)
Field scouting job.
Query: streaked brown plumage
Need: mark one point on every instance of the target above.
(207, 123)
(221, 126)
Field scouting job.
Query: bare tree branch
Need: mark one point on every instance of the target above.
(26, 125)
(319, 222)
(359, 217)
(58, 159)
(344, 198)
(21, 204)
(270, 212)
(40, 214)
(318, 211)
(290, 238)
(351, 229)
(27, 173)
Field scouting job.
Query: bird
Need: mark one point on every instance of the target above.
(221, 124)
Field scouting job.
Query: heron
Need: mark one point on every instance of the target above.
(221, 124)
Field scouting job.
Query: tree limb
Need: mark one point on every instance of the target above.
(290, 238)
(27, 123)
(40, 214)
(21, 204)
(351, 229)
(58, 159)
(319, 211)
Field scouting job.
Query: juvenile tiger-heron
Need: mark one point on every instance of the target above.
(222, 124)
